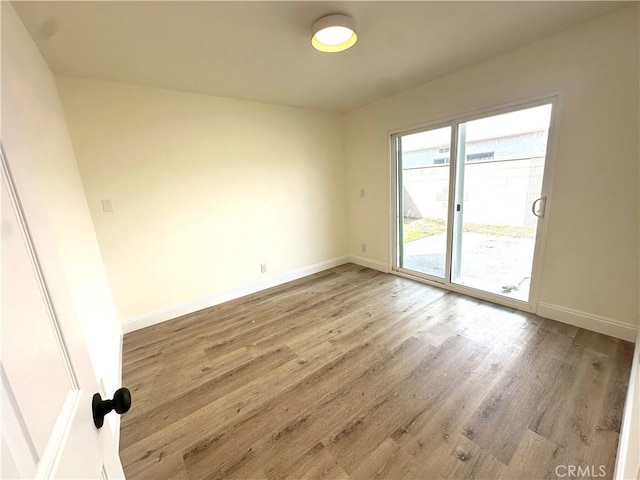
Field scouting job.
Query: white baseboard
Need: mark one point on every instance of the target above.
(588, 321)
(366, 262)
(169, 313)
(628, 458)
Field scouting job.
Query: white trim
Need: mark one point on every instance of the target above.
(217, 298)
(367, 262)
(548, 175)
(116, 427)
(474, 114)
(627, 461)
(392, 234)
(418, 278)
(606, 326)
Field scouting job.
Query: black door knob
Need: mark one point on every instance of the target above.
(121, 403)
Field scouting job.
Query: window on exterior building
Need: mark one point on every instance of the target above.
(478, 157)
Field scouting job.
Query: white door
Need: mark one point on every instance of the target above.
(47, 377)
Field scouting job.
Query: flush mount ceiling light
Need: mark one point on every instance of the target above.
(333, 33)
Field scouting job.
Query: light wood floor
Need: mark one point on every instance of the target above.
(352, 373)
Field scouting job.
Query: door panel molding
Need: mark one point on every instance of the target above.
(15, 432)
(37, 270)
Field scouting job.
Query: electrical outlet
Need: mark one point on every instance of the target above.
(263, 267)
(363, 247)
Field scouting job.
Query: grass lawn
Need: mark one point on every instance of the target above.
(423, 227)
(426, 227)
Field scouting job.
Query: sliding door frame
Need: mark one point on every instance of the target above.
(397, 204)
(555, 99)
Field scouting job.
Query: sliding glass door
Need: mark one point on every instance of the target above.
(424, 160)
(469, 201)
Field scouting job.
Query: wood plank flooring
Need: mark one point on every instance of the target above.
(351, 373)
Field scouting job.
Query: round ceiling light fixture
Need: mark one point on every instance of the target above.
(333, 33)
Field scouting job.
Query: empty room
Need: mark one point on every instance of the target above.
(320, 240)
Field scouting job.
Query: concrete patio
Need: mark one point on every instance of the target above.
(491, 263)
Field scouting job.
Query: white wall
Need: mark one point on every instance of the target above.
(204, 189)
(628, 458)
(591, 259)
(39, 151)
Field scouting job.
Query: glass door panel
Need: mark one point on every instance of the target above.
(423, 200)
(499, 172)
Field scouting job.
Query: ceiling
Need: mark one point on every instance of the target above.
(261, 51)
